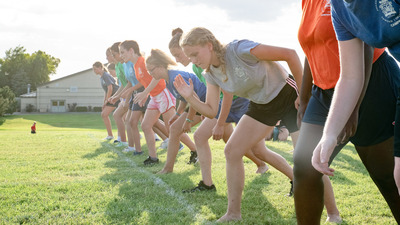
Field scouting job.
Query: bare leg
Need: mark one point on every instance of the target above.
(175, 134)
(105, 115)
(396, 172)
(128, 126)
(261, 166)
(160, 129)
(308, 183)
(272, 158)
(330, 203)
(150, 118)
(133, 124)
(201, 136)
(254, 132)
(119, 120)
(186, 139)
(378, 160)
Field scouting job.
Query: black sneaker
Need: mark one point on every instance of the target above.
(201, 187)
(137, 153)
(150, 161)
(193, 157)
(291, 190)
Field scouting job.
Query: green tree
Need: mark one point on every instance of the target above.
(7, 101)
(18, 69)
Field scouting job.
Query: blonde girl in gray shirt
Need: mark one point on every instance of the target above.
(246, 69)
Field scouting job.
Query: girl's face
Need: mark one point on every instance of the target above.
(179, 56)
(199, 55)
(124, 54)
(97, 70)
(109, 57)
(157, 72)
(116, 56)
(128, 55)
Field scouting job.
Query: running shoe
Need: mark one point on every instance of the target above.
(150, 161)
(137, 153)
(109, 138)
(121, 144)
(201, 187)
(129, 149)
(193, 157)
(164, 144)
(291, 189)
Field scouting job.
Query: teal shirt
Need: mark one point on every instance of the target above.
(119, 69)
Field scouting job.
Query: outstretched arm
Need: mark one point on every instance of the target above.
(345, 98)
(219, 128)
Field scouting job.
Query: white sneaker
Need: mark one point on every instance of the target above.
(121, 144)
(129, 149)
(109, 138)
(164, 144)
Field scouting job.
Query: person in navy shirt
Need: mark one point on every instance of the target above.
(359, 26)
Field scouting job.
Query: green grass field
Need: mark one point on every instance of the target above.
(67, 174)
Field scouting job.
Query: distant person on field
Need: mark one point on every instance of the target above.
(110, 87)
(33, 128)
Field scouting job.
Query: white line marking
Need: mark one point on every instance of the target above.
(159, 182)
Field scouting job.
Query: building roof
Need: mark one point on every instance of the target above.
(62, 78)
(30, 95)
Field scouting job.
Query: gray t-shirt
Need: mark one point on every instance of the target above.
(247, 76)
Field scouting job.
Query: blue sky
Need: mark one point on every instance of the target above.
(78, 32)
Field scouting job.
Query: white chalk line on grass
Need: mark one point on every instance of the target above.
(159, 182)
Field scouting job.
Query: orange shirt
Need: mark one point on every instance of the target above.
(145, 78)
(318, 40)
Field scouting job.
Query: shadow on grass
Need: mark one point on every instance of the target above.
(146, 197)
(253, 196)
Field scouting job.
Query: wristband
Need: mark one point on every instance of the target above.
(176, 113)
(189, 120)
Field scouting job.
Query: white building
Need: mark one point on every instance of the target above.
(82, 88)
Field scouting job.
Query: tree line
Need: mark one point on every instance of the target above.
(18, 69)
